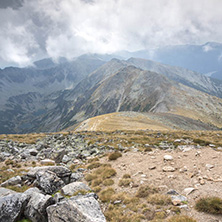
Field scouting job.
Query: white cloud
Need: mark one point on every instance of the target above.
(71, 27)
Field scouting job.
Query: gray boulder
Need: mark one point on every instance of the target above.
(5, 192)
(62, 172)
(48, 182)
(36, 207)
(76, 209)
(12, 181)
(12, 207)
(76, 177)
(33, 152)
(58, 155)
(72, 188)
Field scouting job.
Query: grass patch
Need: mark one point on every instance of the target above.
(114, 156)
(126, 176)
(212, 205)
(90, 177)
(105, 172)
(108, 182)
(106, 195)
(96, 182)
(93, 165)
(181, 218)
(125, 182)
(145, 191)
(93, 160)
(97, 189)
(18, 189)
(159, 199)
(25, 220)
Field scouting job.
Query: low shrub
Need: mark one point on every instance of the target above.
(95, 159)
(145, 191)
(212, 205)
(125, 176)
(108, 182)
(105, 195)
(114, 156)
(90, 177)
(125, 182)
(108, 172)
(181, 218)
(96, 182)
(159, 199)
(93, 165)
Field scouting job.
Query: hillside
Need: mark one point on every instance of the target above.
(140, 121)
(133, 85)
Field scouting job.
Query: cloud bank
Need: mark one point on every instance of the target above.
(33, 29)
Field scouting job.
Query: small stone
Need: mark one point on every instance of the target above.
(177, 200)
(12, 181)
(168, 157)
(33, 152)
(47, 161)
(168, 169)
(74, 187)
(172, 192)
(188, 190)
(152, 168)
(117, 202)
(209, 166)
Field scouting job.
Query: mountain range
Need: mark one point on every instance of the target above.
(54, 96)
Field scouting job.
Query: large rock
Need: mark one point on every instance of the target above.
(48, 182)
(76, 177)
(76, 209)
(72, 188)
(4, 192)
(12, 181)
(58, 155)
(62, 172)
(36, 207)
(12, 207)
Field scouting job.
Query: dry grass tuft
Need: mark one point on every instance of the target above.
(212, 205)
(145, 191)
(181, 218)
(108, 182)
(126, 176)
(90, 177)
(93, 165)
(159, 199)
(114, 156)
(125, 182)
(106, 195)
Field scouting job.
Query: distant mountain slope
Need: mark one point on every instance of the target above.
(27, 93)
(117, 86)
(184, 76)
(18, 81)
(205, 59)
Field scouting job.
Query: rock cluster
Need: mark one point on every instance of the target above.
(42, 203)
(58, 147)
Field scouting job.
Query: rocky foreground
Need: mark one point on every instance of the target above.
(115, 176)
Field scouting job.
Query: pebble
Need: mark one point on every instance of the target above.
(168, 169)
(168, 157)
(188, 190)
(209, 166)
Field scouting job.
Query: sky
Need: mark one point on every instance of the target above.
(36, 29)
